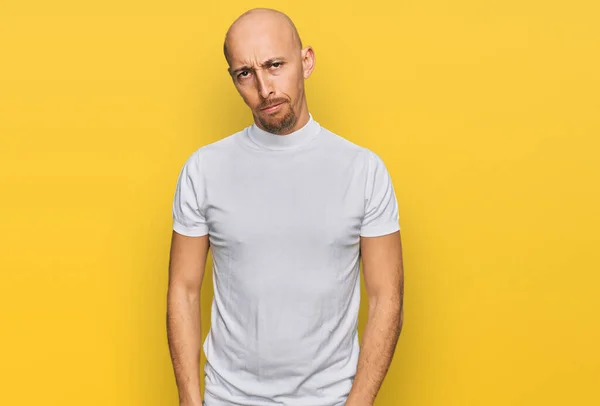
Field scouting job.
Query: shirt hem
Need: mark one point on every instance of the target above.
(189, 231)
(381, 229)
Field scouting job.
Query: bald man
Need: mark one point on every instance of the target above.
(288, 210)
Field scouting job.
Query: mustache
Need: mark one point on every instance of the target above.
(272, 103)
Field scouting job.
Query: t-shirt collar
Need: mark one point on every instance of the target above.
(292, 140)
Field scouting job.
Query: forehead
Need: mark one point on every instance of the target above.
(252, 42)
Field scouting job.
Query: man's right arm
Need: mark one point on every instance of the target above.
(186, 272)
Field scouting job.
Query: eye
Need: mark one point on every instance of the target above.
(241, 74)
(276, 63)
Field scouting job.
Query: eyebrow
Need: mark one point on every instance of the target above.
(266, 63)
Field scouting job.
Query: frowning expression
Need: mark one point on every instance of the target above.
(268, 68)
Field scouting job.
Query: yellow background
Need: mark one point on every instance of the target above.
(485, 112)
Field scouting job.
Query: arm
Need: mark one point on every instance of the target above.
(186, 271)
(384, 281)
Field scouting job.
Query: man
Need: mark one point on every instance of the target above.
(289, 209)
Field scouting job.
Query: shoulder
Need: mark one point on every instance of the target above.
(343, 147)
(215, 150)
(340, 142)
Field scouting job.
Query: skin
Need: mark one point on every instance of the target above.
(186, 273)
(383, 273)
(268, 65)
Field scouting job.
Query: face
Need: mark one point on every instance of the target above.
(268, 69)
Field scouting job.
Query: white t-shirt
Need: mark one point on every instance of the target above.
(284, 214)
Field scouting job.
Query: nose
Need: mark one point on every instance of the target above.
(264, 84)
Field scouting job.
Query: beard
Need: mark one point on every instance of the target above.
(278, 125)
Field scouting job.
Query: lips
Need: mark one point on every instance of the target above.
(271, 106)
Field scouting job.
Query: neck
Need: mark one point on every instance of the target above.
(291, 140)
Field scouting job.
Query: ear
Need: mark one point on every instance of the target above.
(308, 61)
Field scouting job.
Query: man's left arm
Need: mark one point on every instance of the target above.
(384, 282)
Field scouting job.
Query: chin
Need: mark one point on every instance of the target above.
(278, 124)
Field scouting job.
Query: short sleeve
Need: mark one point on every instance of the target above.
(381, 206)
(188, 218)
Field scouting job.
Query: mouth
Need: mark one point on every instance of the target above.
(272, 108)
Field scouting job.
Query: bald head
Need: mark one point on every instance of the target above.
(268, 66)
(261, 21)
